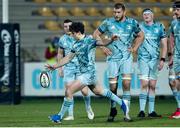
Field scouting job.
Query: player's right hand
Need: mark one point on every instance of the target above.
(107, 51)
(49, 67)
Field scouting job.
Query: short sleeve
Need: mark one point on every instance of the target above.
(163, 32)
(73, 49)
(60, 43)
(103, 26)
(171, 28)
(91, 41)
(137, 28)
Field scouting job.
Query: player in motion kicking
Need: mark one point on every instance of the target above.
(71, 70)
(84, 50)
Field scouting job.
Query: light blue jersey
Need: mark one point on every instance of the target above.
(175, 30)
(66, 43)
(149, 51)
(85, 53)
(71, 69)
(150, 48)
(126, 30)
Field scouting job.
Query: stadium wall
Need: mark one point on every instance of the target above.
(32, 86)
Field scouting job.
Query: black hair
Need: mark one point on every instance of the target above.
(77, 27)
(120, 5)
(176, 4)
(67, 21)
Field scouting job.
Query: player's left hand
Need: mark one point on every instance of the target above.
(160, 66)
(114, 37)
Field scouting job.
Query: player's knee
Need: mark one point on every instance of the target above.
(152, 87)
(172, 83)
(144, 86)
(126, 81)
(126, 84)
(84, 92)
(98, 92)
(113, 85)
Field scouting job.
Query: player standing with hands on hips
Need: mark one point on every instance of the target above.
(119, 53)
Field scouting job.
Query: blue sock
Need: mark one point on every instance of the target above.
(127, 96)
(65, 106)
(111, 96)
(71, 109)
(113, 104)
(151, 102)
(87, 101)
(142, 100)
(176, 95)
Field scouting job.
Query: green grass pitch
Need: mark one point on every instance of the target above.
(33, 112)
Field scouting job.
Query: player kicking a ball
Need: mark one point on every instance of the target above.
(84, 50)
(70, 71)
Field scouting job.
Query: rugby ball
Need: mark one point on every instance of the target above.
(44, 79)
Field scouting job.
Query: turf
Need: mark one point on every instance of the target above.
(34, 113)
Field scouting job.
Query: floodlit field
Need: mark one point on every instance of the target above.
(35, 112)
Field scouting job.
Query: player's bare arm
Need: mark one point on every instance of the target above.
(105, 42)
(163, 53)
(171, 49)
(62, 62)
(97, 35)
(137, 42)
(59, 57)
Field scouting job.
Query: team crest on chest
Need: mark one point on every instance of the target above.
(113, 27)
(156, 30)
(128, 27)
